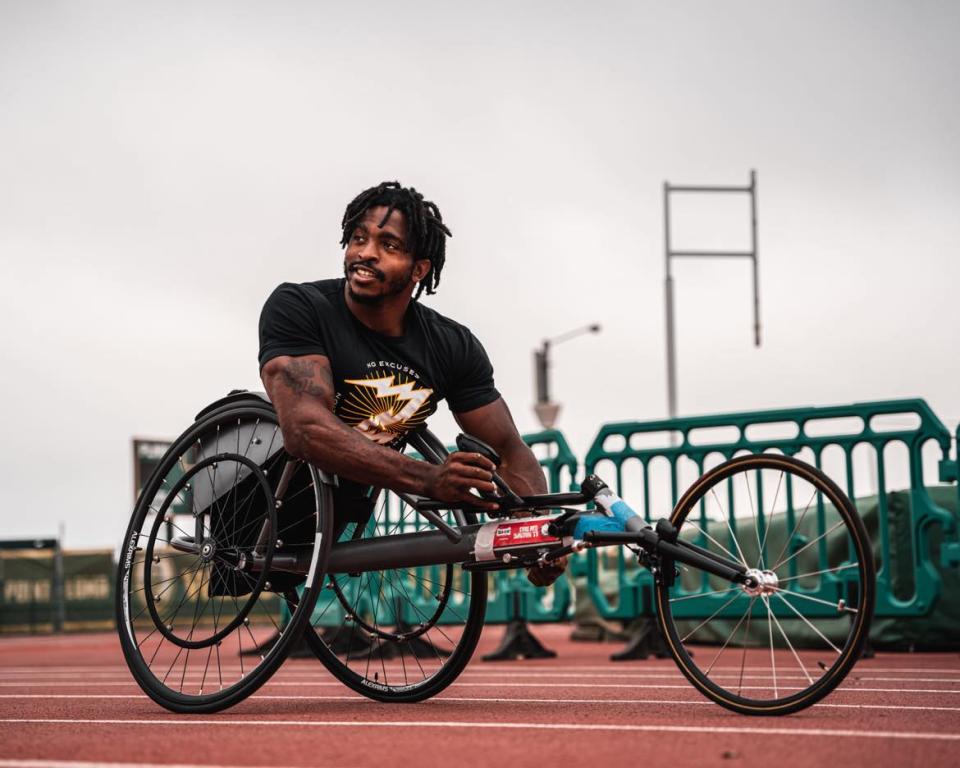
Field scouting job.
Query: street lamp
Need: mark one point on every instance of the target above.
(547, 410)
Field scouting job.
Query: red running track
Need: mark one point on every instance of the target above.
(69, 701)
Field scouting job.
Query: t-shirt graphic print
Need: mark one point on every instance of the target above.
(384, 406)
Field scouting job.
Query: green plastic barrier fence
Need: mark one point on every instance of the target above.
(702, 442)
(950, 473)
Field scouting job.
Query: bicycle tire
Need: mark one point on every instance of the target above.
(225, 471)
(843, 577)
(355, 631)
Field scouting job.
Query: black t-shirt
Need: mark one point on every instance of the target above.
(384, 385)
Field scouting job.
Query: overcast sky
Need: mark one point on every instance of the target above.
(164, 165)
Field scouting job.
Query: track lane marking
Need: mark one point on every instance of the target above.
(655, 666)
(508, 684)
(409, 724)
(675, 675)
(37, 763)
(480, 699)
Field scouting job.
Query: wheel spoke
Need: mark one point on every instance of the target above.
(172, 580)
(790, 646)
(753, 510)
(246, 625)
(817, 573)
(354, 619)
(727, 551)
(746, 642)
(766, 530)
(796, 528)
(709, 618)
(172, 665)
(704, 594)
(443, 587)
(267, 470)
(773, 661)
(424, 580)
(183, 599)
(813, 599)
(413, 605)
(726, 519)
(809, 544)
(157, 649)
(807, 622)
(376, 612)
(729, 637)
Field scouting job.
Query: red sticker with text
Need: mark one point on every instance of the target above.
(517, 533)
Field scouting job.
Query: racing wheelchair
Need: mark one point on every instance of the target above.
(234, 552)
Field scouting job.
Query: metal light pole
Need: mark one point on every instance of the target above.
(669, 254)
(547, 410)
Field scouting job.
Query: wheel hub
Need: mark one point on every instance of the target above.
(761, 582)
(208, 549)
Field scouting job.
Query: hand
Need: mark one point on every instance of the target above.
(459, 473)
(545, 575)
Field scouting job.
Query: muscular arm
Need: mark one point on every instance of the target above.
(302, 391)
(494, 425)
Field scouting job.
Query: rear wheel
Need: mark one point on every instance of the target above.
(207, 591)
(785, 643)
(402, 634)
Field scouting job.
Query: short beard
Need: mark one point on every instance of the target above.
(393, 288)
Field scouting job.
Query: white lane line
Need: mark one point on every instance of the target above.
(684, 702)
(499, 725)
(906, 679)
(309, 671)
(293, 665)
(54, 679)
(844, 688)
(321, 677)
(508, 684)
(480, 699)
(93, 696)
(311, 676)
(28, 763)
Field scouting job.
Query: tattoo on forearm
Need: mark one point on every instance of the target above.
(299, 376)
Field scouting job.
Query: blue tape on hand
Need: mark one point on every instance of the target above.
(621, 513)
(589, 523)
(621, 510)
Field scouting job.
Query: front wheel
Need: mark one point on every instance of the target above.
(785, 643)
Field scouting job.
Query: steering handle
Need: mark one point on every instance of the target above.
(470, 444)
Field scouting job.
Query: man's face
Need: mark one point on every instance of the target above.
(376, 262)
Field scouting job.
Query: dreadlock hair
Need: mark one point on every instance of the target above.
(426, 232)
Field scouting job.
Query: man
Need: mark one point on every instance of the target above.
(353, 364)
